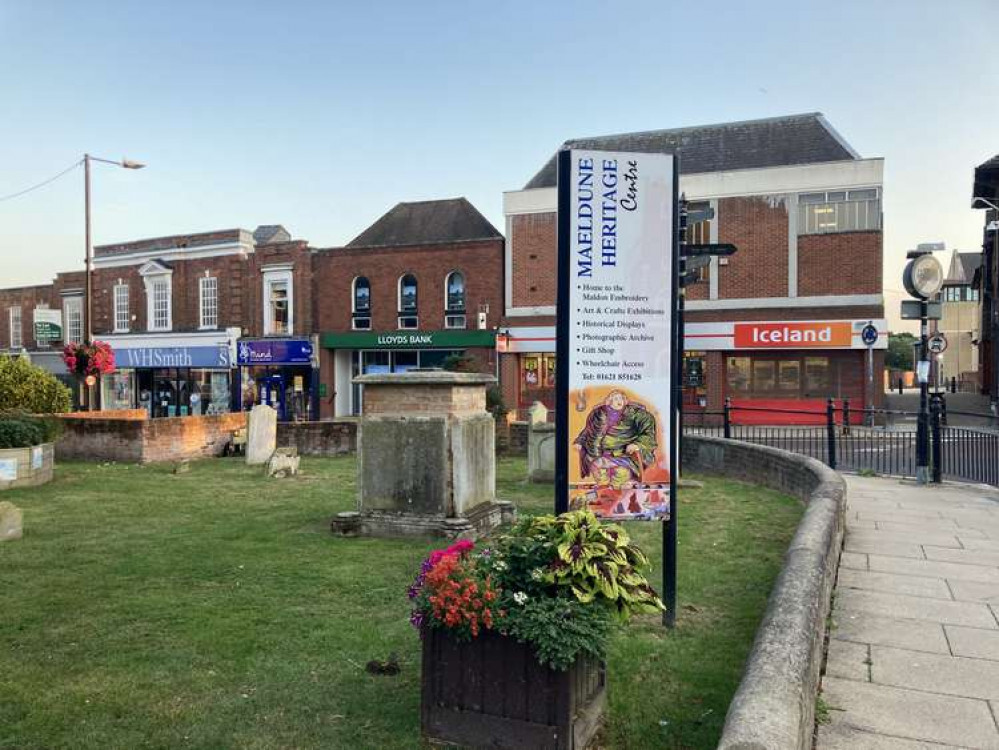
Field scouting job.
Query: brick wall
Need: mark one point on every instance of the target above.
(844, 263)
(27, 298)
(333, 438)
(146, 440)
(335, 269)
(758, 227)
(424, 399)
(534, 239)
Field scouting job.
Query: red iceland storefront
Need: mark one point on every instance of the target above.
(763, 365)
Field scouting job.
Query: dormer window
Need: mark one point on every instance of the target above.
(408, 317)
(361, 308)
(158, 280)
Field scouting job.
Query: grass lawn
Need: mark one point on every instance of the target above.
(214, 609)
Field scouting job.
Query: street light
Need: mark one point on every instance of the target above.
(88, 291)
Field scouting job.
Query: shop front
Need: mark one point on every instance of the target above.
(365, 353)
(789, 365)
(172, 375)
(281, 373)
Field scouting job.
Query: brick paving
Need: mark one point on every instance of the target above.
(913, 657)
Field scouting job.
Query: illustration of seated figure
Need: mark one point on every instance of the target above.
(617, 443)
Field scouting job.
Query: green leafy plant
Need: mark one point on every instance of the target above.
(597, 560)
(25, 387)
(16, 433)
(495, 404)
(559, 628)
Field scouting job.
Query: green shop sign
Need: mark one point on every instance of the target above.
(409, 340)
(45, 331)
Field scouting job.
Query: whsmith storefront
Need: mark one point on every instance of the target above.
(363, 353)
(172, 375)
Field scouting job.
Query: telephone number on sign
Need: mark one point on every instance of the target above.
(632, 376)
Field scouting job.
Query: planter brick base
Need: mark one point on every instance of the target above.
(492, 693)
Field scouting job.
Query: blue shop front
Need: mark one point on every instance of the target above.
(173, 374)
(282, 373)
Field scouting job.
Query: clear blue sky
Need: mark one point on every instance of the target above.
(320, 116)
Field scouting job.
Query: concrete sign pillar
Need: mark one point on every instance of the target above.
(426, 457)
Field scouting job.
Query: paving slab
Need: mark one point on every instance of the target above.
(912, 536)
(933, 569)
(962, 556)
(972, 614)
(911, 714)
(973, 642)
(972, 591)
(855, 560)
(907, 525)
(848, 660)
(880, 547)
(884, 630)
(893, 583)
(935, 673)
(838, 735)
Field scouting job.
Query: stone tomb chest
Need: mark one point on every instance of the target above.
(426, 457)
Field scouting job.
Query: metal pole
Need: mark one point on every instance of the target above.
(869, 417)
(87, 286)
(831, 432)
(923, 421)
(935, 412)
(727, 423)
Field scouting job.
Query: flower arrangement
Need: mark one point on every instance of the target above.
(83, 360)
(558, 583)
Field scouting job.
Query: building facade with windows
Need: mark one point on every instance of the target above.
(960, 322)
(423, 284)
(779, 322)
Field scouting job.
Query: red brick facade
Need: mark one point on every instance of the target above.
(841, 263)
(534, 264)
(758, 227)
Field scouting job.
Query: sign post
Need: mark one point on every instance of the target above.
(617, 340)
(869, 335)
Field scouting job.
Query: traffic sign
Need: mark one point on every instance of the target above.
(937, 343)
(869, 334)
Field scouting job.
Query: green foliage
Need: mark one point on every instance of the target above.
(597, 561)
(16, 433)
(495, 404)
(460, 362)
(25, 387)
(560, 629)
(899, 354)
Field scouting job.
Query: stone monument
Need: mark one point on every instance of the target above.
(426, 457)
(261, 434)
(540, 451)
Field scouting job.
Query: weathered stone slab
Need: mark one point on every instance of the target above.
(284, 463)
(261, 434)
(973, 642)
(934, 569)
(881, 547)
(856, 560)
(862, 627)
(963, 556)
(910, 714)
(974, 591)
(912, 536)
(848, 660)
(892, 583)
(935, 673)
(11, 522)
(838, 735)
(915, 608)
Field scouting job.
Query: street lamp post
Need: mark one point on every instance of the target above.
(88, 260)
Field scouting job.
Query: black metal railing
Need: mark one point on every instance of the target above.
(881, 441)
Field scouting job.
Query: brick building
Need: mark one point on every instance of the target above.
(804, 210)
(423, 283)
(961, 311)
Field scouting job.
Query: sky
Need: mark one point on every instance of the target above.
(321, 116)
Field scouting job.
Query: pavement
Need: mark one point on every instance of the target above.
(913, 660)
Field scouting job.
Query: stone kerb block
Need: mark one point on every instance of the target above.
(261, 435)
(10, 522)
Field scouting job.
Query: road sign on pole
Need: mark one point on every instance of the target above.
(937, 343)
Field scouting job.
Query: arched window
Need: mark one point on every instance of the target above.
(455, 286)
(454, 300)
(361, 302)
(407, 302)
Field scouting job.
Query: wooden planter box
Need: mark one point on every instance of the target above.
(492, 693)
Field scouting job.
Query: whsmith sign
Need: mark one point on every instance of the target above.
(172, 356)
(409, 340)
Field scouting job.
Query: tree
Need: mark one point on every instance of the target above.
(26, 387)
(899, 354)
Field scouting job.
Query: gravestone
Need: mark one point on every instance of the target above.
(10, 522)
(426, 457)
(541, 452)
(261, 434)
(537, 414)
(284, 463)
